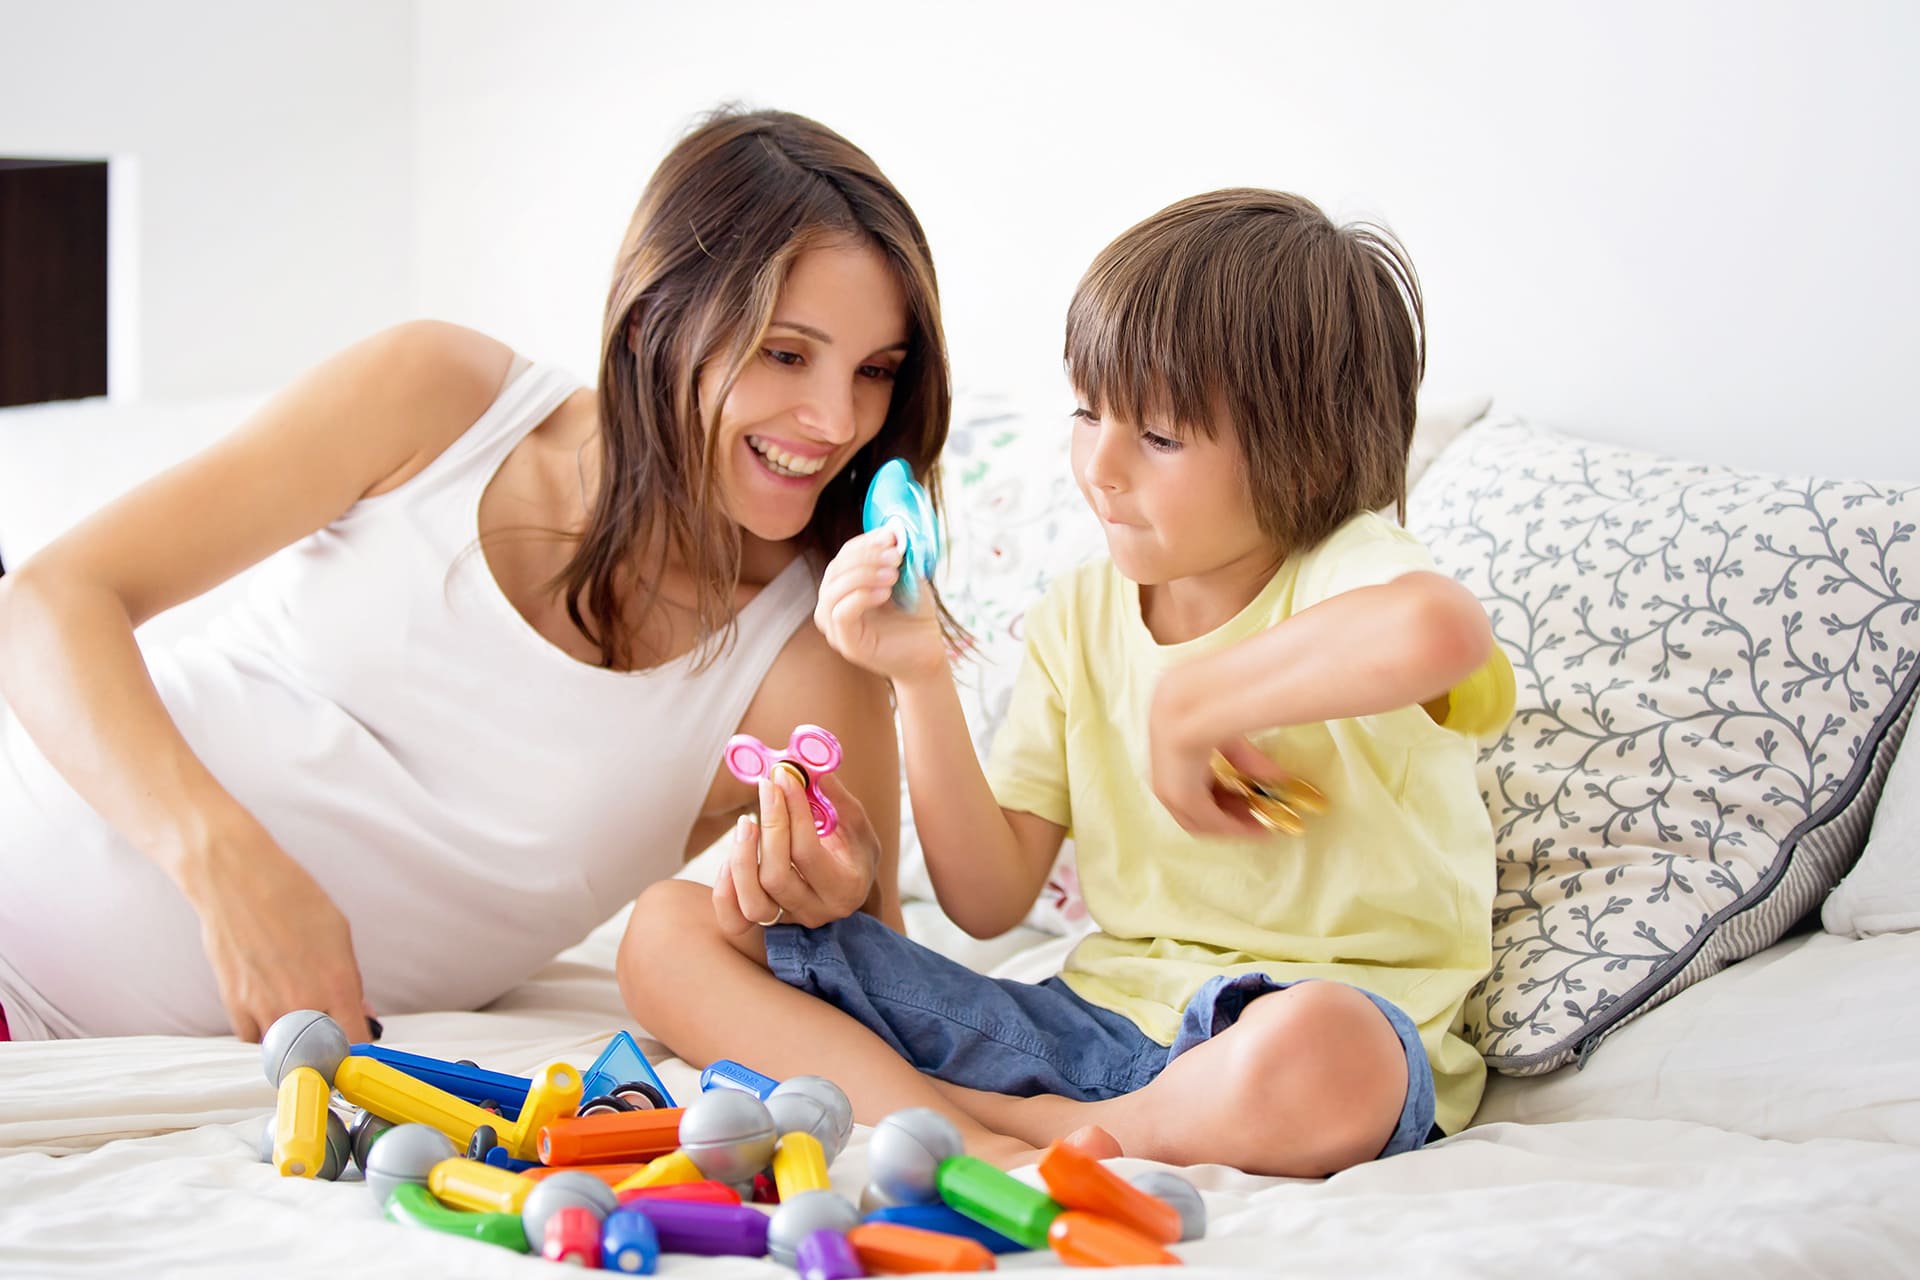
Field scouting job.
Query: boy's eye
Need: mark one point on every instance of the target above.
(1083, 414)
(1159, 443)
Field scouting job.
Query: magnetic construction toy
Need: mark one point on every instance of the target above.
(618, 1188)
(895, 500)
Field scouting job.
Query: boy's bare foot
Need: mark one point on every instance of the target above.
(1094, 1141)
(1004, 1153)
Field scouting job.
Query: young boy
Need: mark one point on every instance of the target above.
(1287, 1004)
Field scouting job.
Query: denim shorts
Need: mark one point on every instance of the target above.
(1024, 1038)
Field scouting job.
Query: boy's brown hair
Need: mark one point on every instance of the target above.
(1251, 307)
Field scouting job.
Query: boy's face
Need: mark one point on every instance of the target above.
(1171, 506)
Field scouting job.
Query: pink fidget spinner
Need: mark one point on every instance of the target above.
(811, 750)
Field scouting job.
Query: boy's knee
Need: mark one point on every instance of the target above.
(1333, 1047)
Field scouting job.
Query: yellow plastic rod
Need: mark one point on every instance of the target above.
(300, 1124)
(482, 1188)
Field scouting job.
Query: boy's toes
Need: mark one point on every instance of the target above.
(1094, 1141)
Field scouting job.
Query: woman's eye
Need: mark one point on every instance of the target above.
(775, 354)
(878, 372)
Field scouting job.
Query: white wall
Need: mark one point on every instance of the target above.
(273, 153)
(1681, 225)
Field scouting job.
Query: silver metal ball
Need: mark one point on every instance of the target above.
(339, 1145)
(1179, 1193)
(559, 1191)
(800, 1217)
(906, 1152)
(405, 1153)
(729, 1135)
(815, 1105)
(303, 1038)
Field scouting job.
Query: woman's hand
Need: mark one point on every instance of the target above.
(856, 615)
(779, 872)
(1180, 763)
(276, 940)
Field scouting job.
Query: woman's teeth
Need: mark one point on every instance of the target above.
(780, 462)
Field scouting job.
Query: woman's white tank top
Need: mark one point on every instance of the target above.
(472, 798)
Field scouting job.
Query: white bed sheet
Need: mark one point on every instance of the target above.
(1765, 1123)
(136, 1154)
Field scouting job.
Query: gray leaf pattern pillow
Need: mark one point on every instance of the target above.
(1714, 668)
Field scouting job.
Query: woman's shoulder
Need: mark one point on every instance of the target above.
(428, 381)
(448, 369)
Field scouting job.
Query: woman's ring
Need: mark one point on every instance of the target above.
(777, 917)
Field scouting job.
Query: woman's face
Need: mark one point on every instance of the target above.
(815, 391)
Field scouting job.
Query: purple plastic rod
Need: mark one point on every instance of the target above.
(694, 1226)
(826, 1255)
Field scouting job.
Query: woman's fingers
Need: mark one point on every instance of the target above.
(749, 843)
(784, 800)
(834, 871)
(245, 1027)
(726, 901)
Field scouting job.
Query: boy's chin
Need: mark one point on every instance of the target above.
(1135, 567)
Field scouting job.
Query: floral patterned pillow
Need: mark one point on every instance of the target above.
(1714, 670)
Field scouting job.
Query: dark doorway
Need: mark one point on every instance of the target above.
(53, 280)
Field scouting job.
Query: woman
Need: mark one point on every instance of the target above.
(477, 698)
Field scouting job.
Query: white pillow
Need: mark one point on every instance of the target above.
(1882, 893)
(1714, 667)
(1810, 1039)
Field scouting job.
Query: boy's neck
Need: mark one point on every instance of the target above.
(1182, 609)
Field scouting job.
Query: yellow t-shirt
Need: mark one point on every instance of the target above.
(1390, 890)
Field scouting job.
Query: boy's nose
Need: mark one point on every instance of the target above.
(1104, 467)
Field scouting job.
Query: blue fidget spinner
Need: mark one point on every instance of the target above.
(896, 498)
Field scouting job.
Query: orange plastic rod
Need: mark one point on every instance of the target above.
(619, 1137)
(607, 1173)
(888, 1246)
(1079, 1181)
(1084, 1240)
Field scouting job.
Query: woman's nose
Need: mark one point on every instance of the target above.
(828, 410)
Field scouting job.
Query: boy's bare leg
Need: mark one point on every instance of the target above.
(1309, 1081)
(705, 994)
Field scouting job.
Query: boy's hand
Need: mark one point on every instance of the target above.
(779, 872)
(859, 620)
(1180, 765)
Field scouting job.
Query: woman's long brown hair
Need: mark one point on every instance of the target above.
(717, 229)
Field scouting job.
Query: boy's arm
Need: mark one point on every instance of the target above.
(1362, 652)
(987, 863)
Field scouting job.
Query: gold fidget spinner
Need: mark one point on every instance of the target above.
(1277, 806)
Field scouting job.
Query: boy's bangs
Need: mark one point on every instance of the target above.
(1140, 351)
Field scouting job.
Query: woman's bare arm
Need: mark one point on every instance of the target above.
(358, 424)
